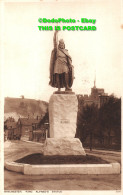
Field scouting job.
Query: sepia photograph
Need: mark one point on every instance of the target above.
(61, 89)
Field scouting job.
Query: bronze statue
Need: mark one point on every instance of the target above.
(61, 68)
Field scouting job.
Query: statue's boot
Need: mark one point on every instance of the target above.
(67, 88)
(58, 82)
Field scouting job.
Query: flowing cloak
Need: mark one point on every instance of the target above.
(52, 64)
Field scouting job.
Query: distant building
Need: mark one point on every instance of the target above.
(11, 129)
(26, 126)
(38, 135)
(29, 129)
(97, 97)
(42, 132)
(33, 129)
(103, 99)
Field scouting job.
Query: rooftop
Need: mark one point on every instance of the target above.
(28, 121)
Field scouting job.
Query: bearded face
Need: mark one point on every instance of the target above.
(61, 44)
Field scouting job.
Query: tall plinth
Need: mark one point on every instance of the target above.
(62, 115)
(63, 120)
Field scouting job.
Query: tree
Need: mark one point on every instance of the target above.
(103, 123)
(110, 119)
(86, 123)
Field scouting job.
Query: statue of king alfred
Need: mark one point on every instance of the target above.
(61, 68)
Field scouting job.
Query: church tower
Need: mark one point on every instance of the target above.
(95, 81)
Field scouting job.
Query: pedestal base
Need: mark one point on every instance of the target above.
(63, 146)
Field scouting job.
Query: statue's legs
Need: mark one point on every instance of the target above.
(67, 81)
(62, 80)
(58, 82)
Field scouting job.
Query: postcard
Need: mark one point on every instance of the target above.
(60, 103)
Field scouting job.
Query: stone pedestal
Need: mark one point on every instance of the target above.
(63, 118)
(63, 146)
(63, 115)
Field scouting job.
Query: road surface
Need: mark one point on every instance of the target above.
(17, 181)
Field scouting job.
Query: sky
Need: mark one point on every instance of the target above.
(27, 50)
